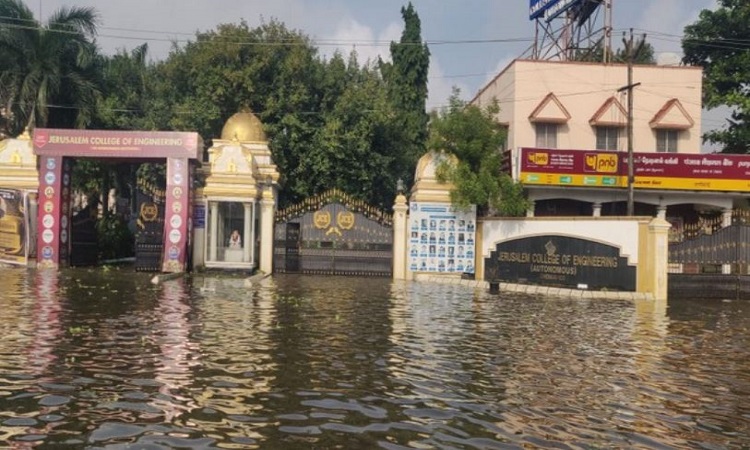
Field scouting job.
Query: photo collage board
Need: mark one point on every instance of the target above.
(441, 238)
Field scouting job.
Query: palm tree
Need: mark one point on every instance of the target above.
(47, 75)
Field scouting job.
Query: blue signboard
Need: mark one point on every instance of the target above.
(549, 8)
(199, 216)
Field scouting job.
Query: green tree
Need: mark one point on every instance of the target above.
(474, 138)
(406, 79)
(644, 54)
(46, 71)
(719, 41)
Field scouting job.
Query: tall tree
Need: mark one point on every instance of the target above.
(473, 136)
(719, 41)
(47, 71)
(644, 54)
(406, 78)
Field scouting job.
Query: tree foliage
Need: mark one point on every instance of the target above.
(644, 54)
(718, 42)
(406, 81)
(473, 136)
(47, 72)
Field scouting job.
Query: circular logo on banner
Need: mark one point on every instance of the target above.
(49, 178)
(176, 207)
(51, 164)
(49, 191)
(177, 192)
(177, 178)
(48, 236)
(47, 252)
(64, 236)
(175, 236)
(174, 252)
(66, 179)
(49, 206)
(175, 221)
(48, 221)
(64, 222)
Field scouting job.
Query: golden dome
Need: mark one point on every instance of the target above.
(243, 126)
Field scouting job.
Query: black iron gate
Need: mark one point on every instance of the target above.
(149, 236)
(333, 234)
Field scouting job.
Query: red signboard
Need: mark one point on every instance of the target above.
(716, 172)
(114, 144)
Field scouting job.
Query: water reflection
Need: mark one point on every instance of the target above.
(104, 359)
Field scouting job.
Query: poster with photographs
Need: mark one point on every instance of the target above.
(441, 238)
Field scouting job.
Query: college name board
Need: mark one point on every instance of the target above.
(584, 168)
(560, 261)
(124, 144)
(549, 8)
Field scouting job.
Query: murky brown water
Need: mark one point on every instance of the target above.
(94, 359)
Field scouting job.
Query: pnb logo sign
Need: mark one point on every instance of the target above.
(600, 162)
(538, 158)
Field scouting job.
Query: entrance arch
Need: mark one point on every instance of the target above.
(56, 149)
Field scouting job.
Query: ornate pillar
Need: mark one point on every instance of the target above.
(267, 206)
(597, 210)
(530, 211)
(214, 231)
(661, 212)
(399, 237)
(249, 241)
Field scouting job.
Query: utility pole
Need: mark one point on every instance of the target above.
(630, 54)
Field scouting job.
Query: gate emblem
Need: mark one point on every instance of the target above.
(149, 212)
(345, 220)
(322, 219)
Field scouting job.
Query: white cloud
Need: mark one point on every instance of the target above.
(440, 86)
(351, 35)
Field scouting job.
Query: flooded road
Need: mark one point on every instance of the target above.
(104, 359)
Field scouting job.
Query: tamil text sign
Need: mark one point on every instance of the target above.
(584, 168)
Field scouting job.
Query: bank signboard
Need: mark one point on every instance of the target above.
(570, 168)
(563, 261)
(591, 168)
(549, 9)
(442, 238)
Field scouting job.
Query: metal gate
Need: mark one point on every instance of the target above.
(333, 234)
(709, 243)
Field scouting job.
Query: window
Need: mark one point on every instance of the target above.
(546, 135)
(607, 138)
(666, 141)
(230, 233)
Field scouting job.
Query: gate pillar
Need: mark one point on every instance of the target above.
(176, 215)
(657, 258)
(399, 238)
(53, 220)
(267, 212)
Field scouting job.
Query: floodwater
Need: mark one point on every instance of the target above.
(103, 359)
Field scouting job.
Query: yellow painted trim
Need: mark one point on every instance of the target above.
(644, 276)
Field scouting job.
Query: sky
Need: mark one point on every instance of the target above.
(470, 41)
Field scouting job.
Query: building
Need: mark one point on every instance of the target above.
(567, 140)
